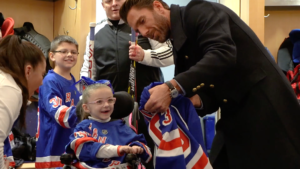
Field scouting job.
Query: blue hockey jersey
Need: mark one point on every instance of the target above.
(177, 134)
(56, 119)
(7, 150)
(90, 135)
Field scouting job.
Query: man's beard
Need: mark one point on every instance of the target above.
(162, 27)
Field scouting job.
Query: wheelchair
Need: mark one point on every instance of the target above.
(123, 107)
(68, 161)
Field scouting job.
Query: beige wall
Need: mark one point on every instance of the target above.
(232, 4)
(256, 18)
(39, 13)
(76, 23)
(244, 14)
(278, 26)
(251, 12)
(54, 18)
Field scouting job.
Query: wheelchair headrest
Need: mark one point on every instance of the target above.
(123, 106)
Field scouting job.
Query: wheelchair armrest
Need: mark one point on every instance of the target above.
(68, 159)
(131, 159)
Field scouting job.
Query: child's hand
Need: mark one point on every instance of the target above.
(125, 149)
(136, 150)
(136, 52)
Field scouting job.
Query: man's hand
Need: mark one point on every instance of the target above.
(159, 100)
(196, 101)
(136, 53)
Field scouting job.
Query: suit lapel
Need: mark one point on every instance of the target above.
(177, 31)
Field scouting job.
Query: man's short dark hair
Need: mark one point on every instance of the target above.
(138, 4)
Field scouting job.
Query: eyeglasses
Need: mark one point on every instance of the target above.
(66, 52)
(101, 102)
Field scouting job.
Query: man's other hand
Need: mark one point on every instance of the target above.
(196, 101)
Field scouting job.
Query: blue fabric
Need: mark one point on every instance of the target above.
(182, 117)
(81, 84)
(52, 135)
(295, 38)
(209, 130)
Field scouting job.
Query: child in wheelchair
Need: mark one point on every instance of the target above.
(99, 141)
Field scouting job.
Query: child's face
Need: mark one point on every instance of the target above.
(100, 103)
(65, 56)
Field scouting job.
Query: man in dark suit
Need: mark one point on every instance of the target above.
(219, 58)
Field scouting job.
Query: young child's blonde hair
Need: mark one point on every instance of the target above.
(86, 95)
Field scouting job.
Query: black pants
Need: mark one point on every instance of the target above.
(221, 161)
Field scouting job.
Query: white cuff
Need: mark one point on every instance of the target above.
(107, 151)
(147, 57)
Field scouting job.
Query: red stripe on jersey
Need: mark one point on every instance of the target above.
(171, 145)
(12, 164)
(61, 117)
(153, 127)
(48, 164)
(202, 162)
(81, 141)
(11, 137)
(185, 139)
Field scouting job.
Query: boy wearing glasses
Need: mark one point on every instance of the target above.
(57, 99)
(99, 141)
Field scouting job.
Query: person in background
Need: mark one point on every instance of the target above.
(22, 68)
(57, 100)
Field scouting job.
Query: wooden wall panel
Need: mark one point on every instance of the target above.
(251, 12)
(75, 23)
(39, 13)
(279, 24)
(256, 18)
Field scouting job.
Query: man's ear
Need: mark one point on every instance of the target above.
(51, 56)
(28, 70)
(85, 108)
(157, 5)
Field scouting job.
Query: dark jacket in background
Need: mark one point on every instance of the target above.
(111, 50)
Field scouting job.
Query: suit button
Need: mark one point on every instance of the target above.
(198, 87)
(225, 100)
(202, 84)
(186, 57)
(194, 89)
(211, 86)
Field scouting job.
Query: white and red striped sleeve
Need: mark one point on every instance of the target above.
(56, 103)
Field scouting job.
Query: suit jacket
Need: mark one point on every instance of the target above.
(220, 58)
